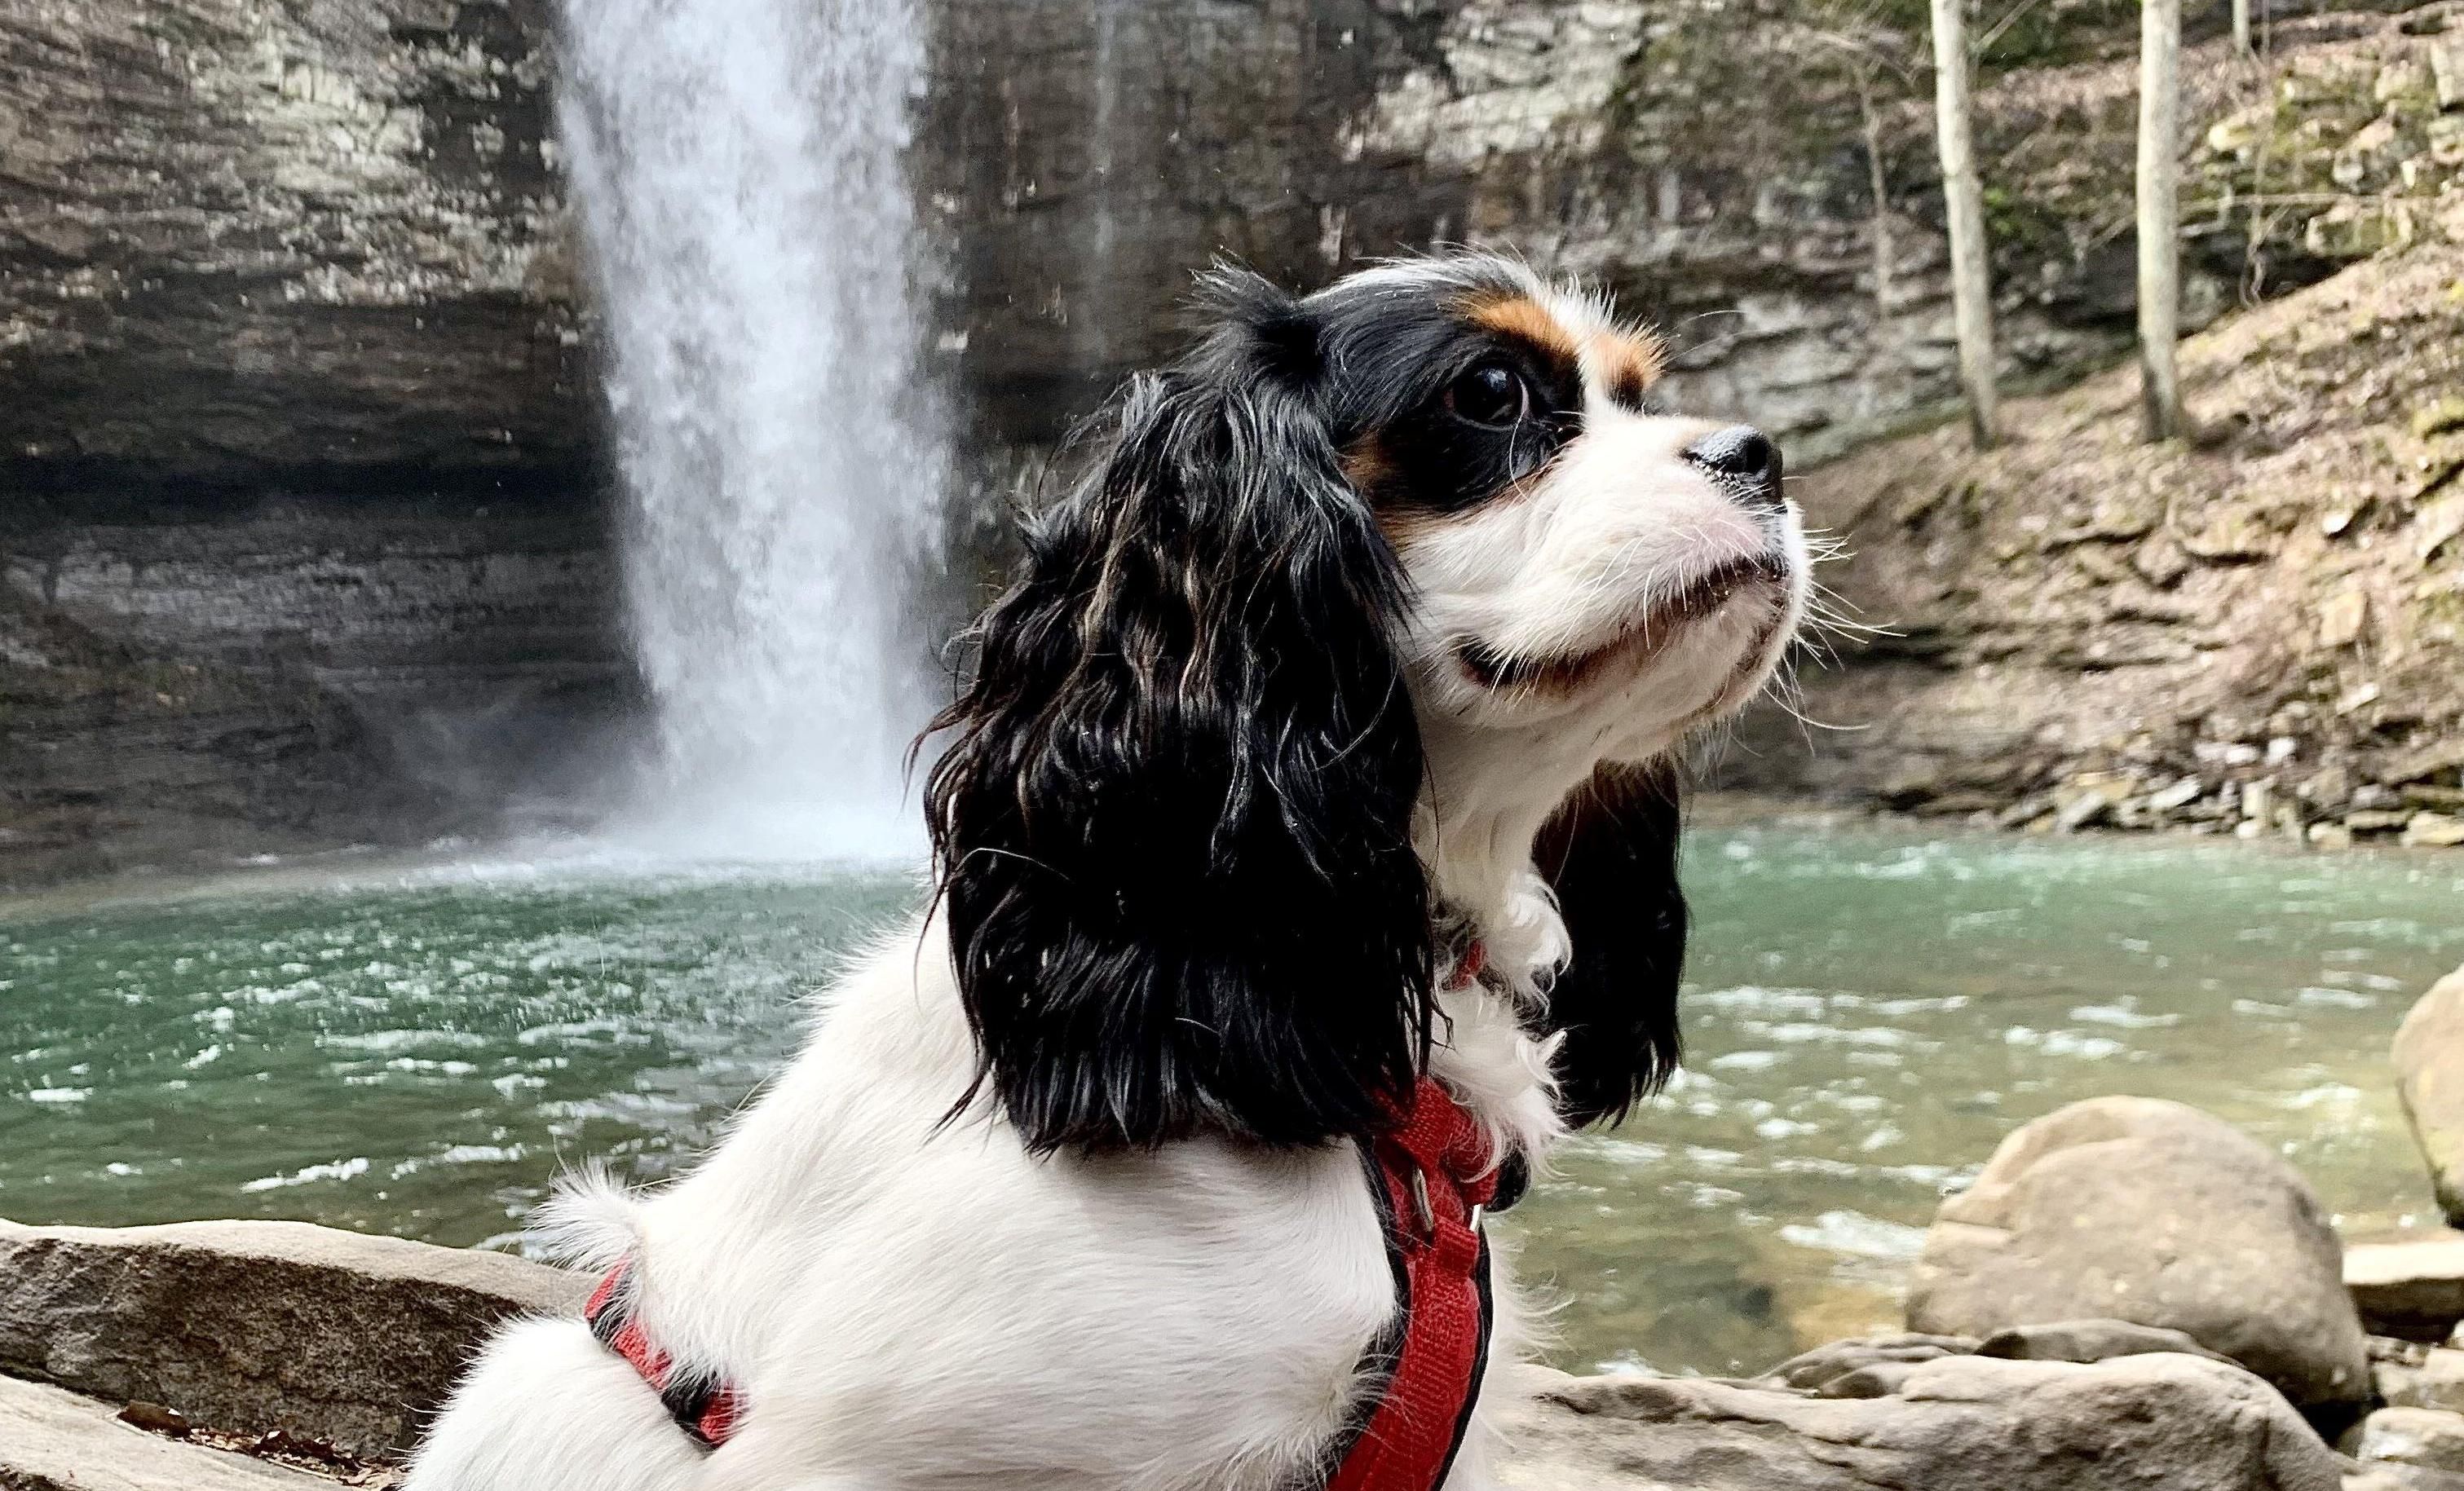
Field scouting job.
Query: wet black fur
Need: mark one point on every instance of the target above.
(1172, 822)
(1611, 856)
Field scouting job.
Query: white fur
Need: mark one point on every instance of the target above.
(914, 1303)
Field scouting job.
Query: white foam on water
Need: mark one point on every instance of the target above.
(338, 1169)
(738, 169)
(1856, 1236)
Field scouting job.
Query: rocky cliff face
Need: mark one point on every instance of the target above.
(2259, 631)
(1086, 157)
(292, 672)
(297, 440)
(295, 389)
(1082, 160)
(306, 243)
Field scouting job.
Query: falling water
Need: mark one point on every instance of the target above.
(738, 167)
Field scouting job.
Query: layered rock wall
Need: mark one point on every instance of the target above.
(2259, 631)
(297, 443)
(302, 242)
(294, 340)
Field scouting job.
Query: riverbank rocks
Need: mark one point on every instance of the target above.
(2156, 1214)
(252, 1325)
(1950, 1423)
(259, 1327)
(2428, 1057)
(2411, 1290)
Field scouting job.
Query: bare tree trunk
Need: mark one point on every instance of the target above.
(1971, 288)
(2241, 29)
(2160, 253)
(1884, 250)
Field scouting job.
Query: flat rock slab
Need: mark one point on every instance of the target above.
(51, 1440)
(2431, 1438)
(2435, 1381)
(252, 1325)
(2384, 1476)
(1953, 1423)
(2153, 1214)
(2412, 1291)
(2429, 1055)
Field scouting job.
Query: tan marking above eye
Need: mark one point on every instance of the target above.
(1630, 362)
(1527, 321)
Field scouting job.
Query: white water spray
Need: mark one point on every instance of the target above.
(738, 169)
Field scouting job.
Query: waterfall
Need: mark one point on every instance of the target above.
(736, 164)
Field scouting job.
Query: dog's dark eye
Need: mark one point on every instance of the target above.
(1491, 394)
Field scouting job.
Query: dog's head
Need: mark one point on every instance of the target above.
(1372, 597)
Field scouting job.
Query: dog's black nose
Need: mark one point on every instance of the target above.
(1743, 458)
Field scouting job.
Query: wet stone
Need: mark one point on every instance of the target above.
(2429, 1055)
(2413, 1291)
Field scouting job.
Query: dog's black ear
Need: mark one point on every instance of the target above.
(1172, 822)
(1611, 856)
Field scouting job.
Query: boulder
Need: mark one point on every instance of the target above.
(2430, 1438)
(2428, 1057)
(52, 1440)
(253, 1325)
(1953, 1423)
(2158, 1214)
(2411, 1290)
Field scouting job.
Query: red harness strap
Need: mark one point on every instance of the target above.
(705, 1406)
(1432, 1176)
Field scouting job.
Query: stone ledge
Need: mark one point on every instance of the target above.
(51, 1440)
(1951, 1423)
(258, 1324)
(2412, 1291)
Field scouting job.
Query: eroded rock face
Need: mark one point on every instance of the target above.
(2429, 1075)
(1948, 1424)
(243, 240)
(2095, 632)
(274, 675)
(1080, 161)
(252, 1325)
(290, 327)
(2156, 1214)
(321, 250)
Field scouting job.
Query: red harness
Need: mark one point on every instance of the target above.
(707, 1406)
(1432, 1177)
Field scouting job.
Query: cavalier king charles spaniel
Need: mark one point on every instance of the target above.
(1322, 754)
